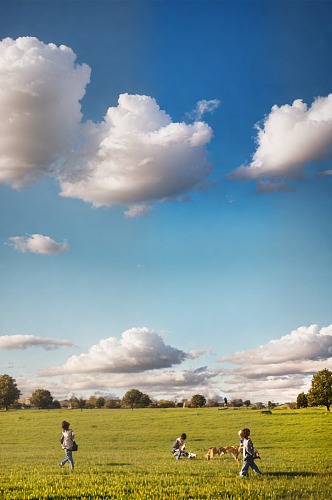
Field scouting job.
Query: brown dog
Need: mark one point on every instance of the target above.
(221, 450)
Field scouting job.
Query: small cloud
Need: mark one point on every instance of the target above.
(140, 265)
(137, 210)
(265, 187)
(203, 107)
(196, 353)
(24, 341)
(231, 202)
(184, 199)
(324, 173)
(38, 243)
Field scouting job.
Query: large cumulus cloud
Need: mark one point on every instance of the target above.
(282, 367)
(136, 155)
(291, 135)
(40, 89)
(138, 350)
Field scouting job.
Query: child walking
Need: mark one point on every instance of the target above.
(249, 454)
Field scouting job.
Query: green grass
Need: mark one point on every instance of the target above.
(126, 454)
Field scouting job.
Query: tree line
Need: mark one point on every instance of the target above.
(320, 394)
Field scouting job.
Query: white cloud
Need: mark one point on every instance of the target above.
(38, 243)
(25, 341)
(305, 343)
(137, 155)
(285, 364)
(162, 383)
(134, 157)
(324, 173)
(290, 137)
(203, 107)
(39, 108)
(264, 187)
(196, 353)
(139, 349)
(137, 210)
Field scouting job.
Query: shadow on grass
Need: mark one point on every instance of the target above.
(116, 464)
(295, 474)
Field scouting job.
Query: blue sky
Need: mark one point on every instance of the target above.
(192, 277)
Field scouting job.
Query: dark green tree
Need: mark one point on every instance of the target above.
(100, 402)
(320, 393)
(91, 402)
(113, 403)
(41, 398)
(74, 402)
(302, 401)
(246, 403)
(198, 401)
(81, 403)
(135, 399)
(9, 392)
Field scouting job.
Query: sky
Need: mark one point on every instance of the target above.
(165, 190)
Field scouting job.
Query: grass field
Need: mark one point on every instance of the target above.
(127, 454)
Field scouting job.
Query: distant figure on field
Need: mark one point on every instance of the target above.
(249, 454)
(66, 440)
(179, 448)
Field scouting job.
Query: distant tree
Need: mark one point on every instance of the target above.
(112, 403)
(41, 398)
(198, 401)
(237, 402)
(259, 405)
(225, 401)
(166, 403)
(145, 401)
(212, 403)
(9, 392)
(74, 402)
(81, 403)
(135, 399)
(270, 405)
(100, 402)
(246, 403)
(320, 393)
(91, 402)
(302, 401)
(55, 405)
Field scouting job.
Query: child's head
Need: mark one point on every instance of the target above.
(183, 436)
(245, 433)
(65, 425)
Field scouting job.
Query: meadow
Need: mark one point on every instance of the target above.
(126, 454)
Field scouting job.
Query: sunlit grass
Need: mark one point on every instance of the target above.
(124, 454)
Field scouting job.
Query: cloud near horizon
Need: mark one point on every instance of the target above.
(290, 137)
(284, 364)
(8, 342)
(37, 243)
(138, 350)
(163, 383)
